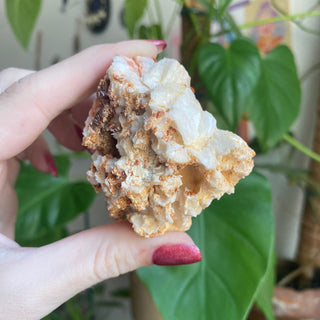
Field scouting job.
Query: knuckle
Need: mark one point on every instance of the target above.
(109, 262)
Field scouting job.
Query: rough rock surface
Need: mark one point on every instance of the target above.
(158, 157)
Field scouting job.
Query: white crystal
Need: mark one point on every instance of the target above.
(172, 160)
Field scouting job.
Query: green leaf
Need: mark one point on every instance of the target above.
(22, 16)
(134, 10)
(230, 76)
(46, 203)
(49, 237)
(274, 105)
(151, 32)
(223, 5)
(265, 291)
(235, 235)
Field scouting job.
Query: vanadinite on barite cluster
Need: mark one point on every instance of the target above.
(158, 157)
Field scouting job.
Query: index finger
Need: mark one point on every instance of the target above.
(28, 106)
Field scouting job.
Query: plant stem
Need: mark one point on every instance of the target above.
(235, 29)
(297, 23)
(280, 18)
(206, 34)
(301, 147)
(195, 24)
(271, 20)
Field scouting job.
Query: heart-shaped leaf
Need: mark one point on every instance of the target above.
(46, 203)
(274, 105)
(22, 16)
(229, 76)
(134, 10)
(265, 291)
(235, 235)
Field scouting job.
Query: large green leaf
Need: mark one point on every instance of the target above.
(134, 10)
(235, 235)
(274, 105)
(230, 75)
(265, 291)
(46, 203)
(22, 16)
(51, 236)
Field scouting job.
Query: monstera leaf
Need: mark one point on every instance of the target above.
(47, 203)
(235, 235)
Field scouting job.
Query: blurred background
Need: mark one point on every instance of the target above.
(66, 27)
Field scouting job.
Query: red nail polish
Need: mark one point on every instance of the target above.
(160, 44)
(177, 254)
(51, 165)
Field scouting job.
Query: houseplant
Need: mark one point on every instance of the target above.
(241, 84)
(235, 234)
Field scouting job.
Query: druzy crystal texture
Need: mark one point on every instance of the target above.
(158, 157)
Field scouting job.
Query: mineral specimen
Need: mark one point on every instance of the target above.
(158, 157)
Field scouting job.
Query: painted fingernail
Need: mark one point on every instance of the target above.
(160, 44)
(177, 254)
(51, 165)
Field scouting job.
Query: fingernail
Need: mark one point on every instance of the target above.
(51, 165)
(160, 44)
(177, 254)
(78, 131)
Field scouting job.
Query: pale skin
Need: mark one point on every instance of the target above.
(35, 281)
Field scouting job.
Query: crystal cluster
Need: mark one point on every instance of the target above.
(158, 157)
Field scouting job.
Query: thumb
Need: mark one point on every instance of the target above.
(73, 264)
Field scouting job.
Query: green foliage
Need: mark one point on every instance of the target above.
(22, 16)
(150, 32)
(223, 5)
(268, 89)
(235, 235)
(46, 238)
(134, 10)
(265, 291)
(274, 105)
(230, 76)
(47, 203)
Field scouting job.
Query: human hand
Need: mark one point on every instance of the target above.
(35, 281)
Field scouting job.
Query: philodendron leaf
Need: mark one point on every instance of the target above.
(134, 10)
(235, 235)
(230, 75)
(274, 105)
(46, 202)
(265, 291)
(22, 16)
